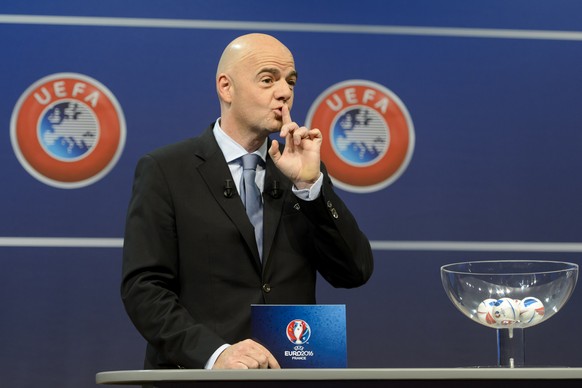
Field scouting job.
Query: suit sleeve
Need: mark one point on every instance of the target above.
(150, 289)
(342, 254)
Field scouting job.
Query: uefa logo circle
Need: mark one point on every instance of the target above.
(67, 130)
(298, 332)
(370, 132)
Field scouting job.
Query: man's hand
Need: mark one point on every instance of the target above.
(246, 354)
(301, 156)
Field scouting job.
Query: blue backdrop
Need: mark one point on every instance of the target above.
(493, 90)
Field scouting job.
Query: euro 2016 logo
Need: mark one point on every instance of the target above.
(67, 130)
(368, 134)
(298, 332)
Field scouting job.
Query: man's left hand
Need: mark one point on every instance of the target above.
(300, 160)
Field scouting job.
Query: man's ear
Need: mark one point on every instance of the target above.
(223, 87)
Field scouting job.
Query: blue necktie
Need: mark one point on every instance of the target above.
(251, 197)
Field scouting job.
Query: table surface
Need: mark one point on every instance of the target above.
(495, 373)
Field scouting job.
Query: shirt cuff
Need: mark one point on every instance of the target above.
(311, 193)
(212, 359)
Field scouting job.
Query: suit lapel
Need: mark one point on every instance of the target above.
(273, 206)
(214, 170)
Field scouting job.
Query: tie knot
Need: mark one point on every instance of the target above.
(250, 161)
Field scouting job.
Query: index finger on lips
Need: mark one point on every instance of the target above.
(286, 115)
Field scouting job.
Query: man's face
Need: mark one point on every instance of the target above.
(262, 82)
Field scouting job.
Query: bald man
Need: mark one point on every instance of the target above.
(191, 263)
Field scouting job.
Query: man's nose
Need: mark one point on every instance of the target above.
(283, 91)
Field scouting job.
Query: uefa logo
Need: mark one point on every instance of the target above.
(368, 131)
(67, 130)
(298, 332)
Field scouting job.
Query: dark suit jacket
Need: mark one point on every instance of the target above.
(191, 267)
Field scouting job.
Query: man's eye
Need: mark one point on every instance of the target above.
(267, 80)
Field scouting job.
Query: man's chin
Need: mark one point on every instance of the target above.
(273, 128)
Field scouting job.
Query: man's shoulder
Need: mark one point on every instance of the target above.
(172, 149)
(177, 150)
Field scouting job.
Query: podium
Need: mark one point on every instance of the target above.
(352, 378)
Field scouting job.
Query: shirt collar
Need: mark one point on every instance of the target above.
(231, 149)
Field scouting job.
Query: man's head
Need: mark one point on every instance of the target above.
(255, 77)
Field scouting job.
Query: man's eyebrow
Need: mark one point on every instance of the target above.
(272, 70)
(275, 71)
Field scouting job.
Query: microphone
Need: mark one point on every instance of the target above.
(275, 191)
(228, 188)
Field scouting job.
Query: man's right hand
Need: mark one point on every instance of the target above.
(246, 354)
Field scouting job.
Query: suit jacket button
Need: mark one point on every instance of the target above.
(267, 287)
